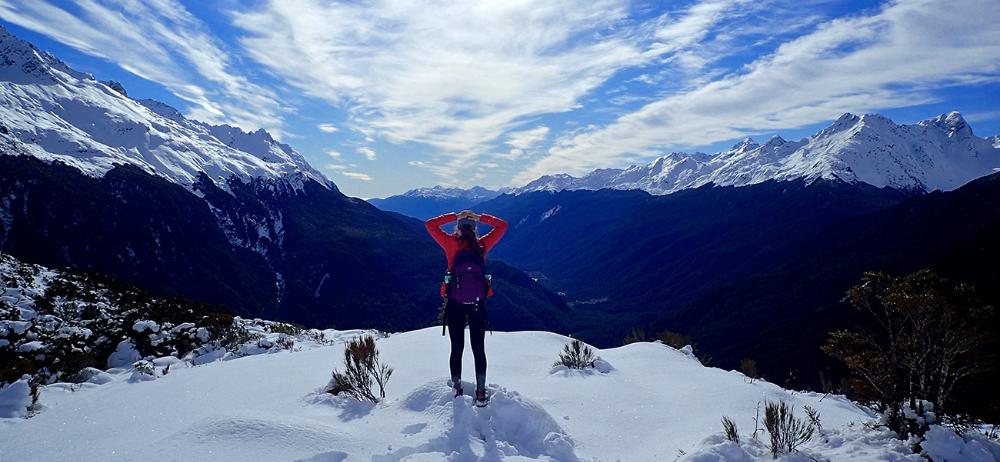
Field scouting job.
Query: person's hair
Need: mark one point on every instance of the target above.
(471, 238)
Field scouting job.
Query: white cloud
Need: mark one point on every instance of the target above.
(522, 141)
(982, 116)
(333, 153)
(357, 176)
(455, 75)
(335, 167)
(528, 138)
(367, 152)
(327, 128)
(158, 40)
(893, 57)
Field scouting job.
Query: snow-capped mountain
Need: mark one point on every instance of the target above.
(939, 153)
(424, 203)
(53, 112)
(475, 193)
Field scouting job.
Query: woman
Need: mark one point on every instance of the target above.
(466, 288)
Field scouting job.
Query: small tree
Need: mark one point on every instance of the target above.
(362, 371)
(927, 337)
(749, 368)
(576, 355)
(787, 432)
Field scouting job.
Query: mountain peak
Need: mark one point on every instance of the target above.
(952, 123)
(775, 140)
(747, 143)
(22, 62)
(116, 86)
(876, 120)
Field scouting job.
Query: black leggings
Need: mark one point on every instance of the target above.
(456, 315)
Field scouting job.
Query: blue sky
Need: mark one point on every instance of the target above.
(386, 95)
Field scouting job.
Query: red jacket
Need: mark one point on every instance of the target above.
(452, 244)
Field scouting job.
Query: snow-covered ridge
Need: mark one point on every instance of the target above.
(473, 193)
(50, 111)
(938, 153)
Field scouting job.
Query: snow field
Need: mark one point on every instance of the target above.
(654, 403)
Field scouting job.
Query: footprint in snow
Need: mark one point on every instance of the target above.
(511, 427)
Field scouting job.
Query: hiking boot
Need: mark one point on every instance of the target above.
(482, 399)
(458, 391)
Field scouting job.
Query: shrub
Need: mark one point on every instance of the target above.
(732, 434)
(576, 355)
(787, 432)
(927, 336)
(362, 370)
(637, 334)
(675, 339)
(749, 368)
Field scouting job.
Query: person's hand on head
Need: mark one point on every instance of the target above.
(464, 214)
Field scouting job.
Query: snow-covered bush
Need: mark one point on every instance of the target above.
(786, 431)
(576, 355)
(54, 324)
(362, 371)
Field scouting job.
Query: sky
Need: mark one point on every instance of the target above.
(383, 96)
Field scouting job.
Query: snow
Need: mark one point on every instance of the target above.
(649, 402)
(940, 153)
(943, 444)
(14, 400)
(143, 326)
(124, 355)
(549, 213)
(441, 192)
(30, 346)
(54, 113)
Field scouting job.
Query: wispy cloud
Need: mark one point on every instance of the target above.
(357, 176)
(158, 40)
(521, 141)
(893, 57)
(327, 128)
(980, 116)
(456, 75)
(369, 153)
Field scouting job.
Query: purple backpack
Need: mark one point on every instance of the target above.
(468, 283)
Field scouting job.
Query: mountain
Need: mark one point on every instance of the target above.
(424, 203)
(755, 271)
(940, 153)
(52, 112)
(94, 180)
(623, 258)
(935, 154)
